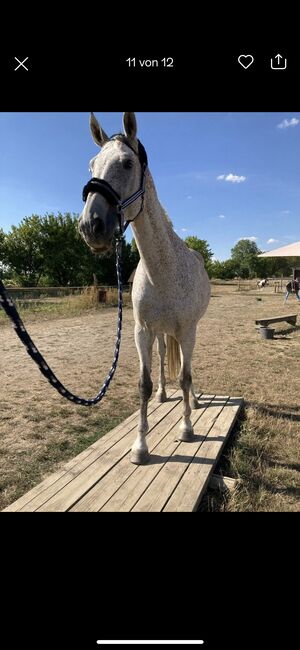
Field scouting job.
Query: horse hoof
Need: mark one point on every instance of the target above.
(139, 456)
(195, 404)
(186, 433)
(161, 396)
(186, 436)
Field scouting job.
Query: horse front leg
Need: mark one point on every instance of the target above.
(161, 394)
(195, 400)
(185, 381)
(144, 342)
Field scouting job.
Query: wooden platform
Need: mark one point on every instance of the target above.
(289, 318)
(102, 478)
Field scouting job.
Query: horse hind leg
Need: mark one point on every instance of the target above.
(144, 341)
(161, 394)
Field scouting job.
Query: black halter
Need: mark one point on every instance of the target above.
(111, 196)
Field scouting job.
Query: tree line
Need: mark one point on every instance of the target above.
(49, 251)
(245, 263)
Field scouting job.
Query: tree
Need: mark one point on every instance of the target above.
(202, 246)
(244, 254)
(2, 245)
(67, 259)
(21, 251)
(134, 254)
(244, 248)
(226, 270)
(130, 260)
(2, 242)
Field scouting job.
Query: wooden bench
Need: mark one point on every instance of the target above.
(289, 318)
(102, 478)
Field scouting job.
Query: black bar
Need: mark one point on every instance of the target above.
(207, 78)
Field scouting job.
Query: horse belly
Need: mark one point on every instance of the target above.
(173, 308)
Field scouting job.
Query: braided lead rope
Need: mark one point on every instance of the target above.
(11, 311)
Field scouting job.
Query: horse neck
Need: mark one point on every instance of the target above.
(154, 235)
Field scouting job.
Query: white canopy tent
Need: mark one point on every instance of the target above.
(292, 250)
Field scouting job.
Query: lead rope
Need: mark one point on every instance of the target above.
(11, 311)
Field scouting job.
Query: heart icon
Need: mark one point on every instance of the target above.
(245, 60)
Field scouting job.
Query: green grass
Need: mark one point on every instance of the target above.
(25, 473)
(265, 482)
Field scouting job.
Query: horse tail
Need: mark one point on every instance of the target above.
(173, 354)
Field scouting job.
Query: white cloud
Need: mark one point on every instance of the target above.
(189, 197)
(272, 241)
(286, 123)
(184, 229)
(250, 238)
(231, 178)
(286, 212)
(221, 216)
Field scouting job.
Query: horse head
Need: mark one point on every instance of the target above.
(117, 184)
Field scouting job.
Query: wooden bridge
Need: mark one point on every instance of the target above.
(102, 478)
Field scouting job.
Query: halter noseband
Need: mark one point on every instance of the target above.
(112, 197)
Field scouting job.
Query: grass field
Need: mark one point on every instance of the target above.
(39, 430)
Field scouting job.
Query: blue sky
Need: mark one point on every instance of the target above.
(220, 176)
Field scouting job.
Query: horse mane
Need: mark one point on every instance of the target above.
(167, 218)
(197, 253)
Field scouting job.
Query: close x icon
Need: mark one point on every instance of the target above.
(21, 63)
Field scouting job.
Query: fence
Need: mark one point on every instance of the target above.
(38, 293)
(244, 285)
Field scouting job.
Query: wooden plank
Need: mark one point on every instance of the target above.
(121, 488)
(118, 477)
(87, 473)
(193, 484)
(161, 489)
(222, 483)
(130, 492)
(289, 318)
(102, 478)
(99, 445)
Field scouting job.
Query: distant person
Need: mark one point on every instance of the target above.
(293, 286)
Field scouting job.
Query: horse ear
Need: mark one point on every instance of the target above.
(99, 136)
(130, 126)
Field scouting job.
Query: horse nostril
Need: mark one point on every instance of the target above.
(98, 227)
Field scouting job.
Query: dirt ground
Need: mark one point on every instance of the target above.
(39, 430)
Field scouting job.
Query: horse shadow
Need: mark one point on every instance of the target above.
(288, 330)
(272, 409)
(156, 459)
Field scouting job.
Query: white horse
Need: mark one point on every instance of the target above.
(171, 289)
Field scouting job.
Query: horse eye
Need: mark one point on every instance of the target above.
(127, 163)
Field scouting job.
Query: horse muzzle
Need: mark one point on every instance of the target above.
(97, 231)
